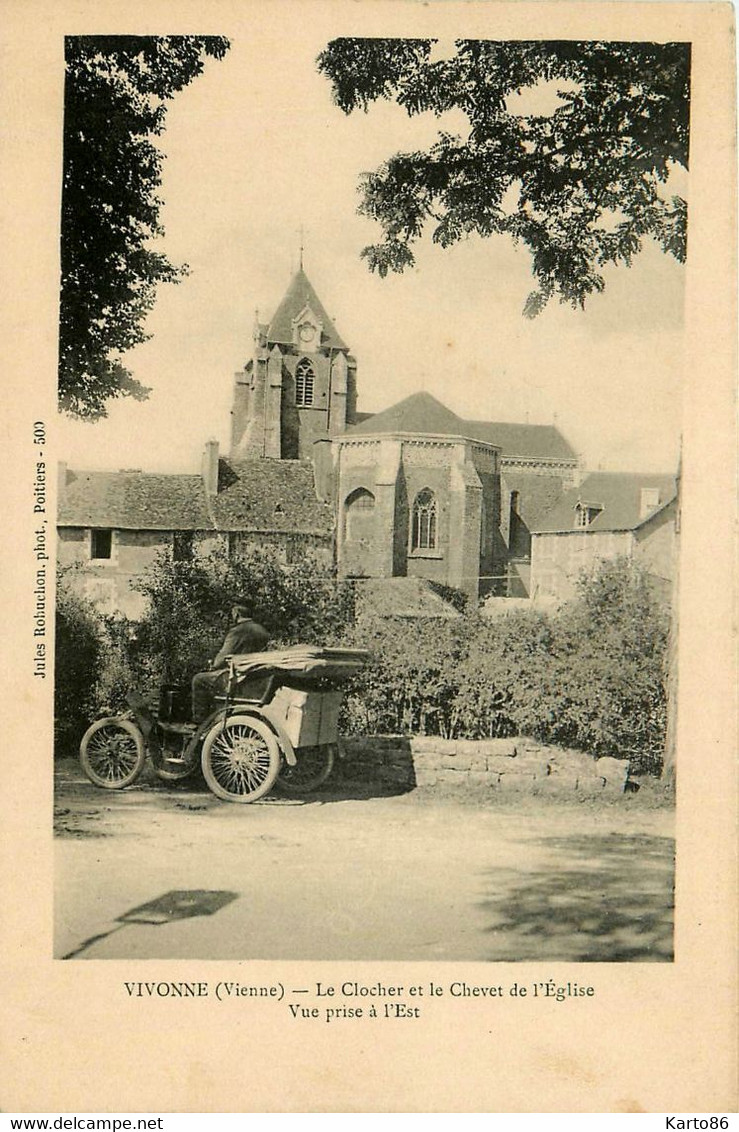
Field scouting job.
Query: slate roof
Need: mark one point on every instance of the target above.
(299, 294)
(270, 495)
(422, 413)
(618, 493)
(535, 442)
(134, 501)
(537, 494)
(254, 495)
(419, 413)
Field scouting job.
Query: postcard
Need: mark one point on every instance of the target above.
(369, 567)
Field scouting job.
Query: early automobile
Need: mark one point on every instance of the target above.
(278, 721)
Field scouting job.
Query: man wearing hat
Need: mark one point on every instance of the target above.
(245, 635)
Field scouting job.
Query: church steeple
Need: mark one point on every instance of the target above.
(312, 398)
(299, 296)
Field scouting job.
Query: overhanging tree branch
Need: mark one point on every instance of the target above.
(618, 128)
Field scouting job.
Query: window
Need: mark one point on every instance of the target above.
(181, 546)
(304, 381)
(359, 515)
(585, 513)
(424, 521)
(101, 544)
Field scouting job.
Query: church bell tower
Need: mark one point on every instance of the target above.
(299, 387)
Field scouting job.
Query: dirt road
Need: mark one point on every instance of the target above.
(405, 877)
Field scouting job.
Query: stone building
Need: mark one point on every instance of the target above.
(417, 497)
(112, 525)
(610, 515)
(414, 492)
(299, 387)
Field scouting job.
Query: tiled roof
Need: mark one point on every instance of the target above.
(542, 442)
(419, 413)
(270, 495)
(254, 495)
(619, 496)
(133, 501)
(537, 494)
(300, 293)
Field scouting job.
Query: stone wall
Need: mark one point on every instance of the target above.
(510, 765)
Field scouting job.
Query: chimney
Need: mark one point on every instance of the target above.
(209, 467)
(649, 500)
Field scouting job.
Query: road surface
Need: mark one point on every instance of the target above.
(405, 877)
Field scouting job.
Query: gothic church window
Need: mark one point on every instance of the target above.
(358, 515)
(424, 521)
(304, 381)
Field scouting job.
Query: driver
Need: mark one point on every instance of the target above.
(245, 635)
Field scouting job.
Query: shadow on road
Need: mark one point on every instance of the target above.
(165, 909)
(605, 899)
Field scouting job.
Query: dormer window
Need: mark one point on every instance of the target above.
(585, 513)
(304, 382)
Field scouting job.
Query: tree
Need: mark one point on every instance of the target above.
(77, 655)
(581, 185)
(115, 94)
(188, 604)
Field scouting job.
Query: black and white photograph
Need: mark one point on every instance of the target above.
(360, 516)
(407, 578)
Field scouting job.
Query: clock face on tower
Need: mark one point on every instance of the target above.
(307, 333)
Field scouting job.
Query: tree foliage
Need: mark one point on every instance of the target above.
(115, 100)
(580, 185)
(77, 655)
(188, 606)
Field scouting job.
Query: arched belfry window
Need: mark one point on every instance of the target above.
(424, 530)
(304, 382)
(359, 509)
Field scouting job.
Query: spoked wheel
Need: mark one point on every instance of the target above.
(241, 759)
(312, 769)
(112, 753)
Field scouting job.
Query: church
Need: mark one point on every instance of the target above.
(411, 492)
(416, 491)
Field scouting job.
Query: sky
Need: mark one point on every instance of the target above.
(255, 151)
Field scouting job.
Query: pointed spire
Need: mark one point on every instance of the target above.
(300, 294)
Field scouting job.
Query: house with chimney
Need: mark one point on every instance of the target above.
(609, 515)
(413, 492)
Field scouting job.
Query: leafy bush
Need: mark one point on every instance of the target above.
(189, 604)
(410, 682)
(78, 650)
(590, 676)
